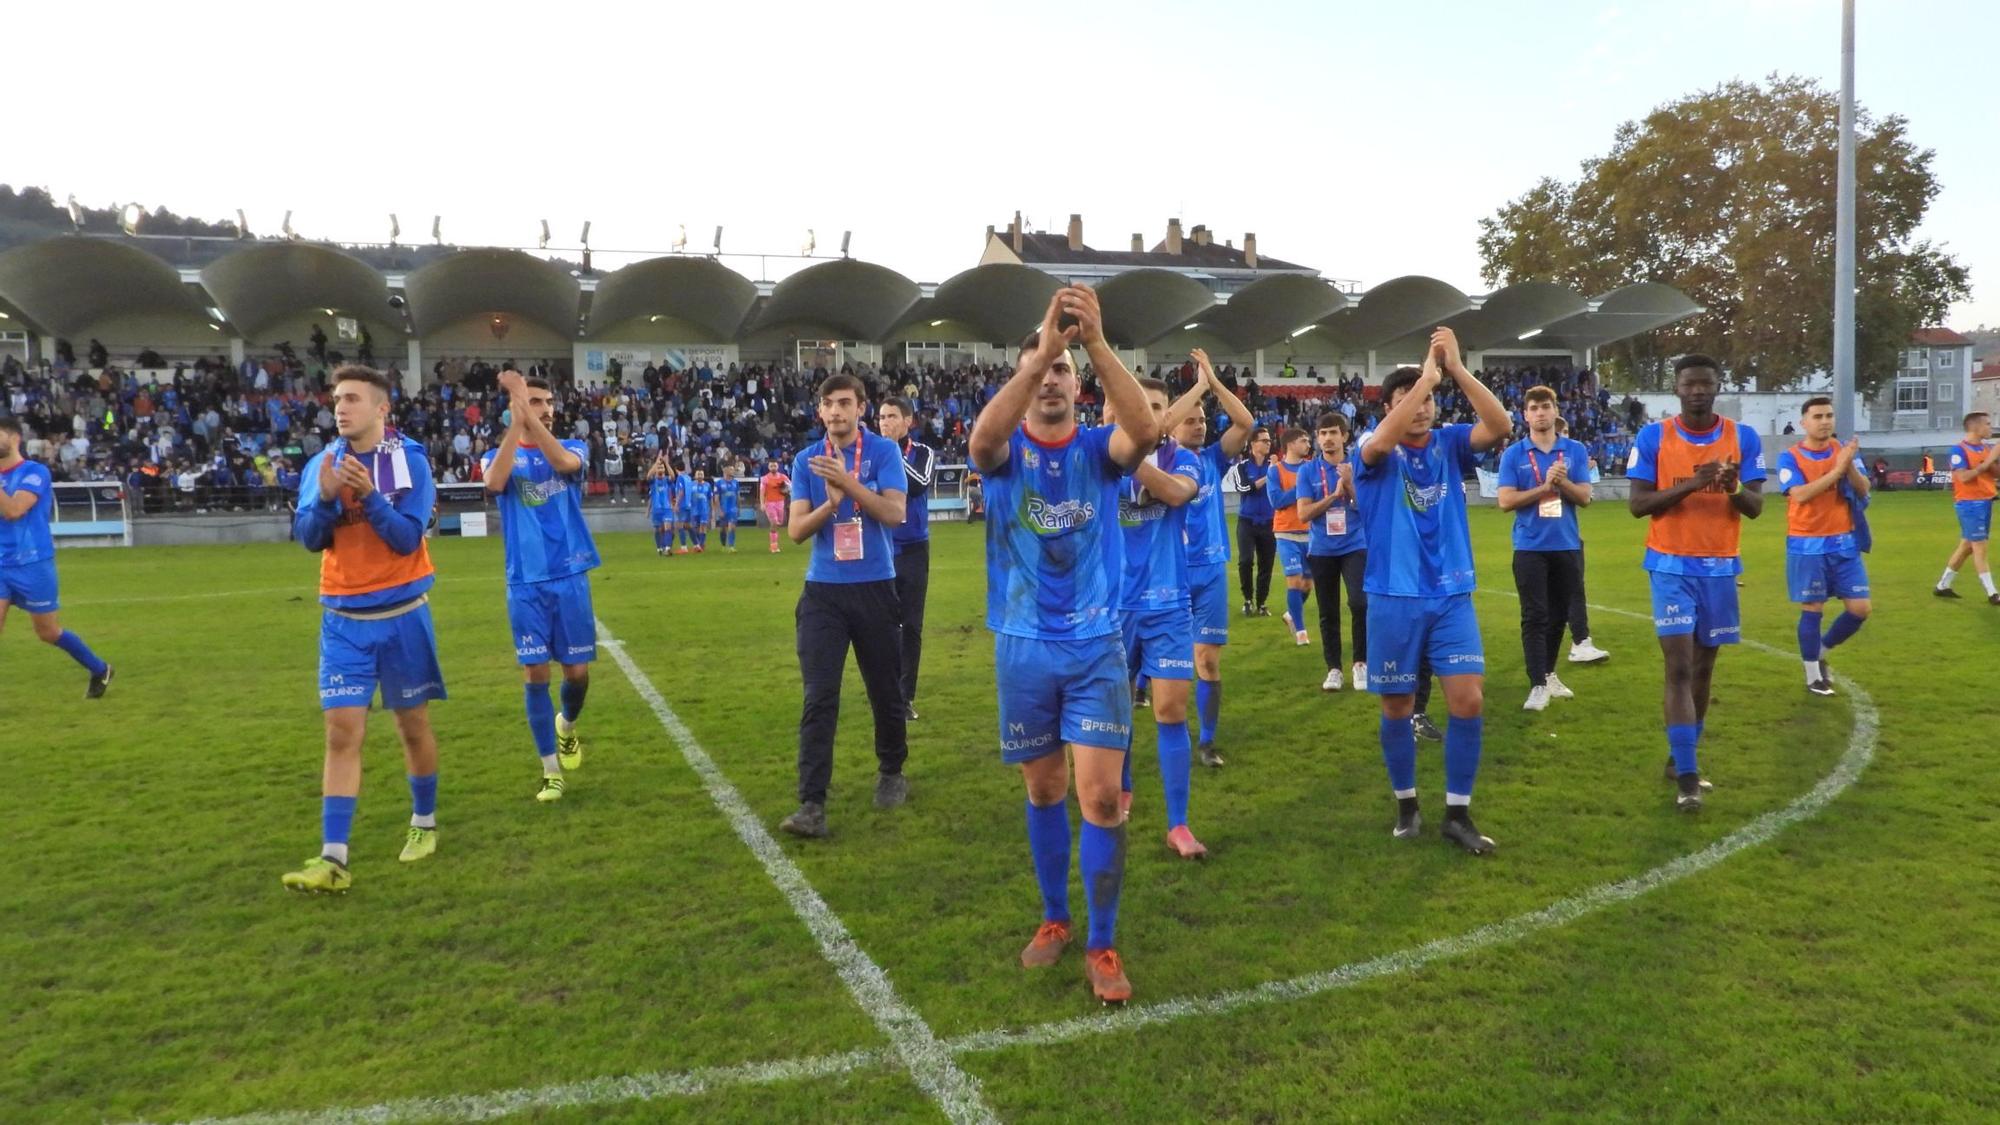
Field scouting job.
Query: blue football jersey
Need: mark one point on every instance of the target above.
(1207, 522)
(1156, 556)
(1525, 467)
(1055, 558)
(1319, 479)
(27, 540)
(1413, 506)
(541, 517)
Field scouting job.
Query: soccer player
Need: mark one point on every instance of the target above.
(1153, 608)
(661, 503)
(1410, 487)
(537, 482)
(774, 488)
(698, 509)
(1696, 476)
(1208, 538)
(727, 503)
(1975, 466)
(913, 537)
(1824, 483)
(1281, 488)
(849, 497)
(1338, 551)
(1582, 650)
(1054, 557)
(1543, 481)
(1256, 547)
(28, 555)
(364, 504)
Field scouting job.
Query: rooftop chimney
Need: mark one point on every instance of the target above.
(1250, 250)
(1076, 232)
(1202, 235)
(1173, 236)
(1138, 243)
(1014, 232)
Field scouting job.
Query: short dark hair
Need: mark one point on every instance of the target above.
(842, 381)
(1816, 400)
(1696, 359)
(1967, 423)
(901, 404)
(355, 372)
(1401, 379)
(1331, 420)
(1537, 394)
(12, 425)
(1293, 433)
(1263, 431)
(1148, 383)
(536, 382)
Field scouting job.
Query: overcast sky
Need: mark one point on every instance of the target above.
(1364, 139)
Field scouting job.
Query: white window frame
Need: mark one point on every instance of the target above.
(1920, 384)
(1946, 392)
(1947, 358)
(1913, 360)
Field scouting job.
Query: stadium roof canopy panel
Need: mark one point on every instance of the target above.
(63, 286)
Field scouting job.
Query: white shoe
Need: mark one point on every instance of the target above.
(1538, 699)
(1299, 638)
(1332, 681)
(1586, 652)
(1557, 689)
(1359, 676)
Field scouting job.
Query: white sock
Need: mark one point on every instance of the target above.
(1405, 794)
(428, 820)
(1812, 671)
(1986, 582)
(1945, 582)
(335, 852)
(551, 766)
(1458, 800)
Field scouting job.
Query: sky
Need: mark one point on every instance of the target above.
(1366, 140)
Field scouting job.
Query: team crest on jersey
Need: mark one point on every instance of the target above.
(1030, 458)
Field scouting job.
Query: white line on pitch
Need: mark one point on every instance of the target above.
(919, 1048)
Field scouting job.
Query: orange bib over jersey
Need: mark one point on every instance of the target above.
(1981, 486)
(1825, 514)
(1705, 524)
(1286, 517)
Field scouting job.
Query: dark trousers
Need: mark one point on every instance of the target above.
(913, 584)
(1546, 580)
(1579, 613)
(831, 616)
(1328, 572)
(1256, 548)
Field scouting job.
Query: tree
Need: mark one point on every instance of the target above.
(1728, 195)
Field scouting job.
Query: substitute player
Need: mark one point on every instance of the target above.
(1695, 476)
(1054, 557)
(364, 504)
(913, 537)
(1420, 578)
(1975, 466)
(773, 489)
(28, 555)
(1582, 650)
(538, 483)
(1256, 546)
(1208, 538)
(1825, 484)
(1338, 552)
(1543, 481)
(1281, 487)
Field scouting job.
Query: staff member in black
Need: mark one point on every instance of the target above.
(913, 537)
(1256, 546)
(848, 498)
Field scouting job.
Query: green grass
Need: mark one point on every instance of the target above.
(151, 967)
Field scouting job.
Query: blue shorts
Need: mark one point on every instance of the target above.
(399, 653)
(728, 514)
(1975, 519)
(659, 516)
(1159, 643)
(32, 587)
(686, 515)
(1056, 692)
(1814, 578)
(1701, 605)
(1292, 558)
(1404, 632)
(553, 621)
(1208, 598)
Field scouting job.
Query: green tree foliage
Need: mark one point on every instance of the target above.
(1728, 195)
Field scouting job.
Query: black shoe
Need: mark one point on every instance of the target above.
(1425, 728)
(1688, 800)
(1944, 592)
(1246, 609)
(1209, 757)
(1409, 821)
(891, 790)
(1263, 611)
(1993, 599)
(810, 820)
(98, 684)
(1459, 830)
(1820, 686)
(909, 712)
(1142, 698)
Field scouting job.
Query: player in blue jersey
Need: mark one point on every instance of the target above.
(1208, 538)
(1256, 546)
(1338, 552)
(1054, 559)
(1543, 481)
(1411, 491)
(662, 503)
(28, 555)
(1281, 486)
(913, 537)
(698, 509)
(1153, 608)
(538, 484)
(727, 503)
(1825, 537)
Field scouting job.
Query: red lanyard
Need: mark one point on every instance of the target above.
(1536, 466)
(833, 452)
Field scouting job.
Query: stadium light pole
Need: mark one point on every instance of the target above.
(1843, 237)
